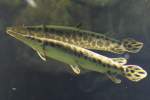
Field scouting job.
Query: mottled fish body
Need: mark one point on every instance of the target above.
(78, 57)
(84, 38)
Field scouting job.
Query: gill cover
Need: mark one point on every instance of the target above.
(131, 45)
(134, 73)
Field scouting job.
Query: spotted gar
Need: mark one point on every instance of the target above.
(83, 38)
(78, 57)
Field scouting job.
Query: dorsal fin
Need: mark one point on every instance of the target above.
(120, 60)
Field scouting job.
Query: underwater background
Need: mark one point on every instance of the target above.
(24, 76)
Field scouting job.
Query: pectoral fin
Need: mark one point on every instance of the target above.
(113, 78)
(122, 61)
(75, 69)
(41, 56)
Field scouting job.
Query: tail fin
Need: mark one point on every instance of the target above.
(132, 45)
(134, 73)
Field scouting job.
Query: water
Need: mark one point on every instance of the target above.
(24, 76)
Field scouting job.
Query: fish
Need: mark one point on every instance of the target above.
(78, 58)
(83, 38)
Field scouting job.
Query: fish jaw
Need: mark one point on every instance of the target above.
(9, 31)
(19, 33)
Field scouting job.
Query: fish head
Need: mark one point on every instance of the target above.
(25, 33)
(26, 36)
(18, 32)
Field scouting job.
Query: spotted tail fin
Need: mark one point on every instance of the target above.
(131, 45)
(134, 73)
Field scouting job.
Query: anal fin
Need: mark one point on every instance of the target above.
(113, 78)
(75, 69)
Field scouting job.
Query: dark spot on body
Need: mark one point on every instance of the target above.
(39, 40)
(32, 38)
(129, 46)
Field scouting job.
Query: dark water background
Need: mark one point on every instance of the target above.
(24, 76)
